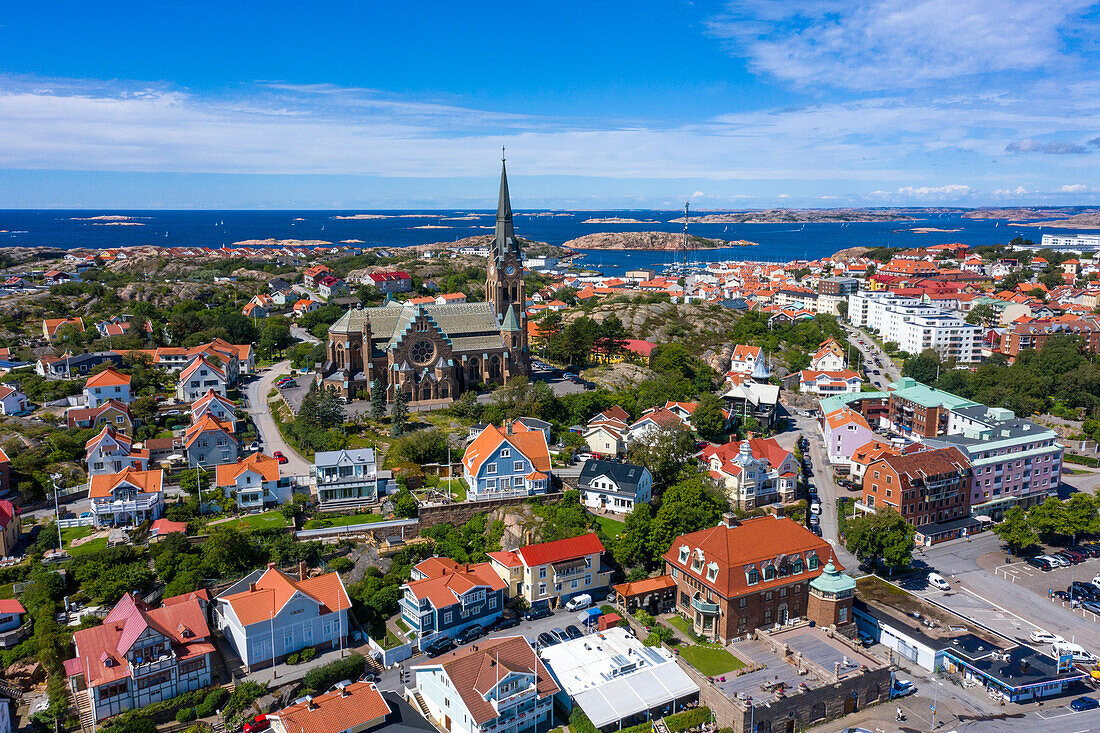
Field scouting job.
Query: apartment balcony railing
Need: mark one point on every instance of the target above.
(148, 666)
(701, 605)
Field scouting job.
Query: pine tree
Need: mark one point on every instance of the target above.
(308, 412)
(399, 415)
(377, 400)
(330, 412)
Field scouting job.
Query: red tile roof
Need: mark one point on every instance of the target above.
(752, 542)
(357, 706)
(560, 550)
(641, 587)
(274, 588)
(444, 585)
(532, 444)
(107, 378)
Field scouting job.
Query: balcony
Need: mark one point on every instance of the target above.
(148, 666)
(336, 482)
(140, 504)
(702, 606)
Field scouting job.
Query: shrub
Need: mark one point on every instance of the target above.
(688, 719)
(185, 715)
(579, 722)
(212, 702)
(243, 696)
(644, 618)
(340, 564)
(292, 658)
(329, 674)
(308, 653)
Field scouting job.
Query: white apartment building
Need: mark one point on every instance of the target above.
(916, 326)
(1074, 242)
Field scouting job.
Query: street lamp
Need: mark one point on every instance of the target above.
(55, 477)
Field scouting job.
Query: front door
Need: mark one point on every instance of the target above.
(447, 722)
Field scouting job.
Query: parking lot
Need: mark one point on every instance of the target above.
(1041, 583)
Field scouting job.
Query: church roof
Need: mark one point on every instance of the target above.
(469, 326)
(511, 323)
(505, 235)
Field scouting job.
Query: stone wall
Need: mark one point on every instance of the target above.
(460, 513)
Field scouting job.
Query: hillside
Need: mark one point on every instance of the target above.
(693, 324)
(796, 216)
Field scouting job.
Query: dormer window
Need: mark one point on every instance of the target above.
(769, 572)
(712, 572)
(684, 554)
(697, 561)
(814, 562)
(752, 577)
(796, 566)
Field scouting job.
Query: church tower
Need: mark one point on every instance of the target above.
(504, 278)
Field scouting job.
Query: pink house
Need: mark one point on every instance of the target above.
(845, 430)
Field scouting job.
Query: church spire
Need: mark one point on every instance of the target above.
(505, 237)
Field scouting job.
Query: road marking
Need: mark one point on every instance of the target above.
(1054, 715)
(999, 608)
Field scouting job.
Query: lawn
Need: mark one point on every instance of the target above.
(710, 659)
(683, 626)
(611, 527)
(401, 625)
(68, 534)
(7, 590)
(265, 520)
(88, 547)
(342, 521)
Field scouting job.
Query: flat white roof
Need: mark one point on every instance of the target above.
(612, 675)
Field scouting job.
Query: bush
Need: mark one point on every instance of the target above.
(308, 653)
(340, 564)
(579, 722)
(292, 658)
(243, 696)
(659, 634)
(185, 715)
(212, 702)
(329, 674)
(688, 719)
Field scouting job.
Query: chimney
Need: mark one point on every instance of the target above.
(508, 428)
(271, 566)
(301, 570)
(310, 705)
(344, 691)
(1023, 666)
(252, 587)
(729, 519)
(749, 435)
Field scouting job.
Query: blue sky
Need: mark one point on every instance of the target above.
(601, 104)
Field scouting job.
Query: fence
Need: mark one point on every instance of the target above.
(378, 528)
(392, 656)
(78, 522)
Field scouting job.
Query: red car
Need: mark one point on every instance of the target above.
(281, 459)
(260, 722)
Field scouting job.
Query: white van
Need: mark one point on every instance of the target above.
(1080, 656)
(938, 581)
(576, 603)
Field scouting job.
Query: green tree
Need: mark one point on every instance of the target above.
(611, 336)
(404, 504)
(1081, 515)
(982, 314)
(709, 418)
(1015, 531)
(924, 368)
(229, 552)
(1049, 519)
(665, 451)
(630, 549)
(377, 400)
(882, 537)
(330, 409)
(399, 414)
(689, 505)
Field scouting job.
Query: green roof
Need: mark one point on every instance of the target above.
(837, 401)
(910, 389)
(832, 580)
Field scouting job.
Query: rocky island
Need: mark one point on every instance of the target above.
(648, 240)
(796, 216)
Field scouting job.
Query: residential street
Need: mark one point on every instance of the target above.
(303, 335)
(890, 371)
(270, 438)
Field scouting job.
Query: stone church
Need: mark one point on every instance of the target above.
(434, 353)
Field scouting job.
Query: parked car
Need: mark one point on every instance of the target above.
(546, 639)
(1040, 563)
(1061, 595)
(1092, 606)
(573, 631)
(537, 612)
(439, 646)
(559, 634)
(258, 723)
(938, 581)
(1044, 637)
(1084, 703)
(901, 688)
(506, 622)
(866, 639)
(470, 633)
(280, 457)
(576, 603)
(815, 507)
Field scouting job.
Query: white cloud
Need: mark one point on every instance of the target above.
(951, 190)
(871, 44)
(1005, 192)
(1074, 188)
(698, 195)
(783, 196)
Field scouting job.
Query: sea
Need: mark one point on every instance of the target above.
(68, 229)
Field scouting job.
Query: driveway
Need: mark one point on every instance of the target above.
(270, 437)
(303, 335)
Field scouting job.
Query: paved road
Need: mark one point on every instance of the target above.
(871, 350)
(303, 335)
(827, 490)
(270, 438)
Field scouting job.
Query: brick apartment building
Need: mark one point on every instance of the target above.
(919, 410)
(929, 487)
(1034, 335)
(743, 575)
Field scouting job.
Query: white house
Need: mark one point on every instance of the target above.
(494, 686)
(12, 401)
(107, 385)
(200, 377)
(829, 358)
(754, 472)
(130, 496)
(826, 384)
(301, 612)
(613, 486)
(217, 406)
(256, 482)
(345, 477)
(111, 451)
